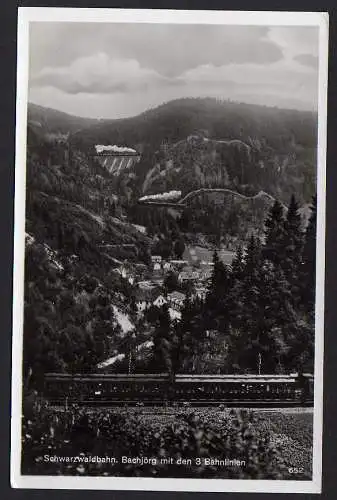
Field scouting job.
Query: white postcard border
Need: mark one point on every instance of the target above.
(45, 14)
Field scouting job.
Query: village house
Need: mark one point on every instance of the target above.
(145, 284)
(205, 274)
(188, 274)
(126, 272)
(156, 267)
(157, 280)
(206, 265)
(174, 314)
(178, 264)
(141, 271)
(190, 255)
(176, 300)
(141, 306)
(167, 266)
(156, 259)
(160, 301)
(146, 290)
(188, 269)
(200, 293)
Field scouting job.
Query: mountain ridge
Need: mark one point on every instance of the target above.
(54, 121)
(34, 107)
(180, 118)
(202, 146)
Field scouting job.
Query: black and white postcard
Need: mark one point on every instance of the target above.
(168, 307)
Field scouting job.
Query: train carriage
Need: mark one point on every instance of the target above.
(196, 389)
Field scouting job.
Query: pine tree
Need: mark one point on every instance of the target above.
(308, 270)
(179, 247)
(253, 344)
(162, 358)
(292, 248)
(274, 226)
(247, 321)
(277, 315)
(234, 295)
(184, 345)
(237, 266)
(189, 336)
(219, 280)
(267, 330)
(216, 313)
(252, 257)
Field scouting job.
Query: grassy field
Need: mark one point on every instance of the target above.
(206, 255)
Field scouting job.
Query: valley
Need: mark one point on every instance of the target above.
(141, 239)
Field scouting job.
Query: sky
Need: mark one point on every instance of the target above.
(115, 70)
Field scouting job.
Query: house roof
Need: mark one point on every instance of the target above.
(160, 298)
(147, 285)
(188, 269)
(189, 275)
(156, 257)
(176, 296)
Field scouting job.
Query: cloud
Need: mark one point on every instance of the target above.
(116, 70)
(99, 74)
(168, 49)
(251, 73)
(307, 60)
(295, 40)
(171, 50)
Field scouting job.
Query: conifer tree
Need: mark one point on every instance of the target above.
(220, 274)
(216, 313)
(183, 345)
(237, 266)
(274, 227)
(292, 248)
(162, 360)
(189, 336)
(259, 306)
(277, 315)
(252, 257)
(309, 260)
(249, 315)
(268, 332)
(233, 299)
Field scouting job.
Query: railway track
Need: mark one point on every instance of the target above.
(232, 403)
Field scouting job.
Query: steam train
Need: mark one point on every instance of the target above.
(152, 389)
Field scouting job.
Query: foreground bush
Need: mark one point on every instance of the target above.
(259, 441)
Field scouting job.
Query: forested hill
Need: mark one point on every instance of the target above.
(87, 236)
(51, 121)
(194, 144)
(188, 144)
(175, 120)
(76, 243)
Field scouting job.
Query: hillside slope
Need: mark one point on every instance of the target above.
(176, 120)
(52, 121)
(187, 145)
(193, 143)
(76, 243)
(90, 241)
(248, 168)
